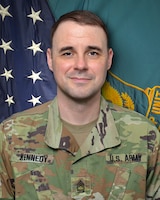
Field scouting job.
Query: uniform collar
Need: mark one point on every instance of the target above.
(104, 135)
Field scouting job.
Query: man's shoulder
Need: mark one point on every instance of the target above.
(135, 127)
(27, 120)
(37, 110)
(128, 116)
(24, 128)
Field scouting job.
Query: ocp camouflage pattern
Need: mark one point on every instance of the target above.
(40, 159)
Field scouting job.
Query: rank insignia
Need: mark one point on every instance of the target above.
(80, 186)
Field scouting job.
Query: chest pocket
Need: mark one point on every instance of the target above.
(118, 188)
(31, 176)
(130, 176)
(41, 184)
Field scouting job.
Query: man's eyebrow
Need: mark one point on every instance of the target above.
(94, 48)
(65, 49)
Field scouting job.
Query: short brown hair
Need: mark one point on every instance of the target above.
(81, 17)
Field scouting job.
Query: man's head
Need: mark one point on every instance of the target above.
(82, 17)
(79, 57)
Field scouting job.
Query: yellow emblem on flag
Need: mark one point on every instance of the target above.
(121, 99)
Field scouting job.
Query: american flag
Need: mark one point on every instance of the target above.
(25, 80)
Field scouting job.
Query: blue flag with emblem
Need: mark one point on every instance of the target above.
(25, 80)
(134, 28)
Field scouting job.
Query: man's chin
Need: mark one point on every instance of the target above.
(82, 98)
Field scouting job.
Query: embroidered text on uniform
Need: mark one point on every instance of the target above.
(33, 158)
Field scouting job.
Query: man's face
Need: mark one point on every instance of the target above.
(79, 59)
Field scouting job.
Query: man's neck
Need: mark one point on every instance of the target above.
(79, 112)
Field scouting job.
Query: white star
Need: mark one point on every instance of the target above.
(35, 16)
(35, 100)
(4, 12)
(7, 74)
(9, 100)
(35, 47)
(35, 76)
(6, 46)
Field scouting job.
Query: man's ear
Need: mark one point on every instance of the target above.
(110, 57)
(49, 59)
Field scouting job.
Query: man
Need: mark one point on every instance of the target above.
(79, 146)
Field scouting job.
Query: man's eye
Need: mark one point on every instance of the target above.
(67, 54)
(93, 53)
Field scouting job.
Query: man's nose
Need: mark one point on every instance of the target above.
(81, 62)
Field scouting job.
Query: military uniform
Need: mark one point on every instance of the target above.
(40, 159)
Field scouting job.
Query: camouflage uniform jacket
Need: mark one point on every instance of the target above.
(40, 159)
